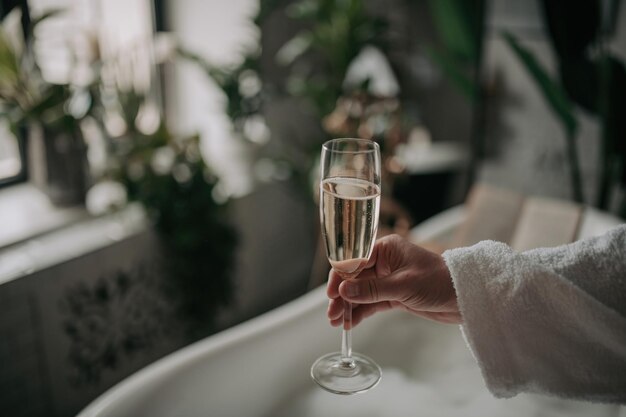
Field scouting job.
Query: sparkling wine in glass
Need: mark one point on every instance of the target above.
(349, 206)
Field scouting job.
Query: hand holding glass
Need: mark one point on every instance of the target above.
(349, 206)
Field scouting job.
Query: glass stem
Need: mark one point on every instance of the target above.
(346, 337)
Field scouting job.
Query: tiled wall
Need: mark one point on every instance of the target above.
(23, 379)
(71, 330)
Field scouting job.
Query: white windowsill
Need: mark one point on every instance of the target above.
(35, 235)
(25, 213)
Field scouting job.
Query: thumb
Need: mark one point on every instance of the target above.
(373, 290)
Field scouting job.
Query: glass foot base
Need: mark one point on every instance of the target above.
(334, 375)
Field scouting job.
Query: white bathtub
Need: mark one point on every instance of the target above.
(261, 368)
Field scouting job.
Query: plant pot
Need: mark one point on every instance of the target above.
(57, 164)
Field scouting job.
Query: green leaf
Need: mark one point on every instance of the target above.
(580, 77)
(454, 21)
(9, 66)
(294, 48)
(552, 92)
(463, 82)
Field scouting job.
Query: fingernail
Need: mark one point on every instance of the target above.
(352, 290)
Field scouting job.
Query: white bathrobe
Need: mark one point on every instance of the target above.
(550, 320)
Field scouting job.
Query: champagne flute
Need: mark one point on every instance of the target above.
(349, 206)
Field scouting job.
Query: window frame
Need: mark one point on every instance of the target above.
(6, 6)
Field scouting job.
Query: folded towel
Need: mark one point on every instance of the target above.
(549, 320)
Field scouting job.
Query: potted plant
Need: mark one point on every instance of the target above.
(48, 114)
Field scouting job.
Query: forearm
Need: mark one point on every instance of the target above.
(537, 322)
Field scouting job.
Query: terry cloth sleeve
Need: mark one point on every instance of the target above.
(550, 320)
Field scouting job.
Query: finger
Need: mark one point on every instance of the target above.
(378, 248)
(367, 291)
(337, 322)
(363, 311)
(367, 274)
(335, 309)
(332, 287)
(360, 312)
(373, 257)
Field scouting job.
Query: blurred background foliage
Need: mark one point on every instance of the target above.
(590, 77)
(335, 33)
(25, 96)
(165, 173)
(460, 28)
(168, 175)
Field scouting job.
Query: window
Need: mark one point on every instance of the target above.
(12, 158)
(130, 18)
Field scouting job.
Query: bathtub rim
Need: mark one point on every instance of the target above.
(314, 300)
